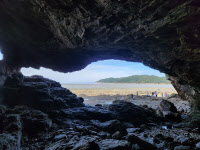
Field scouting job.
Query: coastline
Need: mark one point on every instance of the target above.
(132, 83)
(112, 83)
(120, 89)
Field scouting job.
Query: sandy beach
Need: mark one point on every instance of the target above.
(120, 89)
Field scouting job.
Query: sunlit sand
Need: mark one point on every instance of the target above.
(120, 89)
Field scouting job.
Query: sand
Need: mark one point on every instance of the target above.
(126, 91)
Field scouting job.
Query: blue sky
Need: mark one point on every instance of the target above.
(95, 71)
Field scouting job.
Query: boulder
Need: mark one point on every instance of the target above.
(167, 106)
(87, 113)
(111, 126)
(38, 92)
(98, 105)
(136, 140)
(127, 111)
(117, 135)
(86, 144)
(168, 110)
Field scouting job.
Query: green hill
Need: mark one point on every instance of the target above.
(136, 79)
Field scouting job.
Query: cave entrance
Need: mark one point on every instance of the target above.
(1, 55)
(103, 82)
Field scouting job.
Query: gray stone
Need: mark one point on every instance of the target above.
(86, 143)
(182, 147)
(198, 145)
(132, 130)
(111, 144)
(117, 135)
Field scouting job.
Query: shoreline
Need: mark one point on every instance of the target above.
(112, 83)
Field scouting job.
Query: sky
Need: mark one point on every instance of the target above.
(94, 72)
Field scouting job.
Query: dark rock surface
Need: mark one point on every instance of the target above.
(187, 92)
(133, 113)
(121, 125)
(68, 35)
(38, 92)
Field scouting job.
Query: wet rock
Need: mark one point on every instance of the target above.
(40, 93)
(111, 144)
(159, 137)
(104, 134)
(136, 140)
(127, 111)
(118, 101)
(136, 147)
(198, 145)
(106, 106)
(98, 105)
(182, 147)
(60, 136)
(85, 144)
(111, 126)
(88, 113)
(117, 135)
(132, 130)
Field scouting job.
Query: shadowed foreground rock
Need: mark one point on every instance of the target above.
(68, 124)
(20, 125)
(68, 35)
(37, 92)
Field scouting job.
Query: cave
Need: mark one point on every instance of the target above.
(66, 36)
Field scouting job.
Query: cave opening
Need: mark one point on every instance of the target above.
(104, 81)
(1, 55)
(66, 36)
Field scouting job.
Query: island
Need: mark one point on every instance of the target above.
(136, 79)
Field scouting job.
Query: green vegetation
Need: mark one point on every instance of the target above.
(136, 79)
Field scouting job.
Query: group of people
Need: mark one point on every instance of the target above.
(156, 94)
(152, 94)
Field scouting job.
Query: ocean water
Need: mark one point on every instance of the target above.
(114, 86)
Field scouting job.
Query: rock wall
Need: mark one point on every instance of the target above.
(187, 92)
(68, 35)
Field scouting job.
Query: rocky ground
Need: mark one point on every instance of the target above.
(151, 102)
(121, 125)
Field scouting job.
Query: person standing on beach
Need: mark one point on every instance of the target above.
(147, 94)
(137, 93)
(162, 95)
(165, 94)
(156, 93)
(152, 94)
(132, 96)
